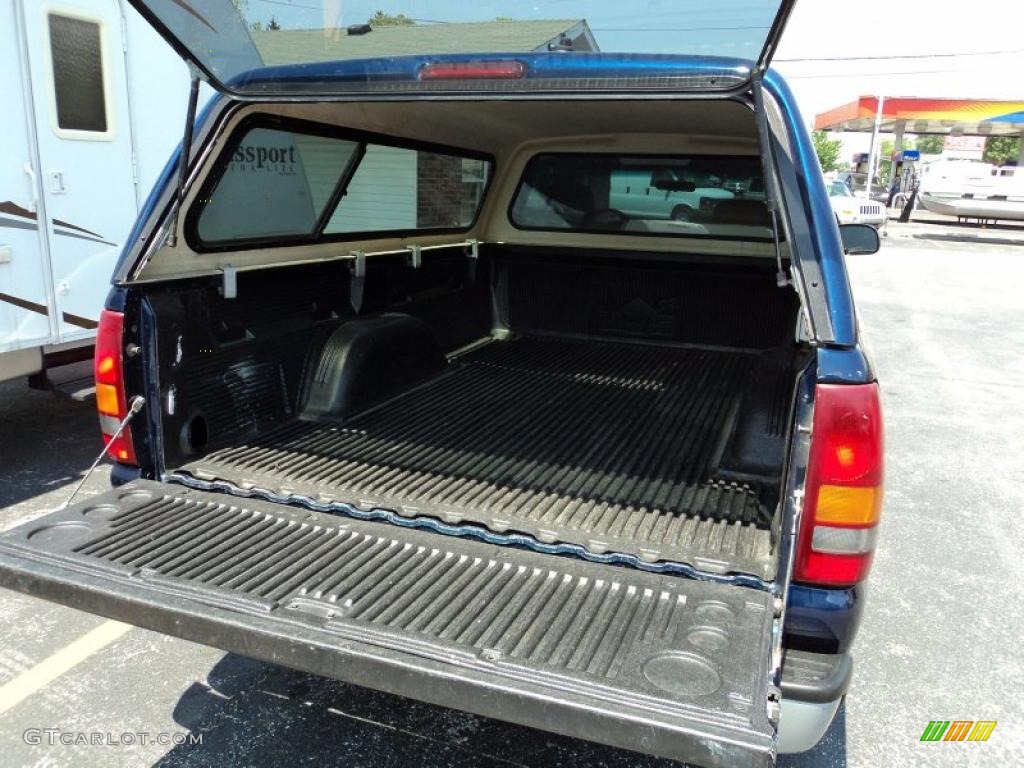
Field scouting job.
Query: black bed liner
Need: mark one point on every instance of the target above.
(611, 446)
(670, 666)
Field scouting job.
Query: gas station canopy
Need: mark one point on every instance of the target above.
(969, 117)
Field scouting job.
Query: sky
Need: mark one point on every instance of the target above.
(881, 47)
(928, 31)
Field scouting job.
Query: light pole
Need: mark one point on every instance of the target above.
(874, 146)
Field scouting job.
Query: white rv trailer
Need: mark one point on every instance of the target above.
(94, 105)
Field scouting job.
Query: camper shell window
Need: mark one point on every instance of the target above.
(284, 181)
(719, 196)
(79, 90)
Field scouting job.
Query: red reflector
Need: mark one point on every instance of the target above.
(473, 70)
(104, 367)
(848, 435)
(111, 403)
(843, 492)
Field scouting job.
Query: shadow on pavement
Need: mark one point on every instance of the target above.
(971, 239)
(950, 221)
(38, 424)
(257, 714)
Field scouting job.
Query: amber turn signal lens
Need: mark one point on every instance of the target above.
(107, 400)
(846, 505)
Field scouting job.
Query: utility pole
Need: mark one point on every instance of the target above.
(872, 160)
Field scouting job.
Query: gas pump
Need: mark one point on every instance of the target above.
(905, 162)
(904, 175)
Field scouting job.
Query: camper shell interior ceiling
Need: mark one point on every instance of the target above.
(507, 132)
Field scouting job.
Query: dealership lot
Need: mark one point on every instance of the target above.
(941, 309)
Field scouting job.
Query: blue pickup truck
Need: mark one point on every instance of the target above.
(398, 393)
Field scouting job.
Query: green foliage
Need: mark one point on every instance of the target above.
(270, 26)
(828, 151)
(1000, 150)
(930, 144)
(381, 19)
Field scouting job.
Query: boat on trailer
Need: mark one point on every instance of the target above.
(973, 190)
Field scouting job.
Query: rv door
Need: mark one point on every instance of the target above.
(79, 107)
(25, 291)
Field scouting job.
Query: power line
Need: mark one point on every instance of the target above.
(288, 4)
(292, 5)
(904, 56)
(675, 29)
(871, 74)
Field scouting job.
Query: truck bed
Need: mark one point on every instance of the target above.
(615, 447)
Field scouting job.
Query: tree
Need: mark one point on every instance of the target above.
(930, 144)
(381, 19)
(272, 25)
(1000, 150)
(828, 151)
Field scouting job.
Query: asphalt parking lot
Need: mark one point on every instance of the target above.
(942, 309)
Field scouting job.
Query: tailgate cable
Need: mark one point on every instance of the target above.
(133, 408)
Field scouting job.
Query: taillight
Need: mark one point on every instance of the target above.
(843, 499)
(110, 395)
(473, 70)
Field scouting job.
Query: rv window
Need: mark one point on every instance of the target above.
(278, 185)
(77, 59)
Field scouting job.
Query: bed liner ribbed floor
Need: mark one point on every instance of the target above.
(613, 446)
(671, 666)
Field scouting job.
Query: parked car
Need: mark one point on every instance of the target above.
(858, 182)
(660, 194)
(854, 210)
(398, 394)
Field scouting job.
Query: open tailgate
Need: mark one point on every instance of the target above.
(657, 663)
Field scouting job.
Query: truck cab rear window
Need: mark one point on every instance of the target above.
(279, 185)
(684, 196)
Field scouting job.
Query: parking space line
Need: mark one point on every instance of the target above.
(55, 665)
